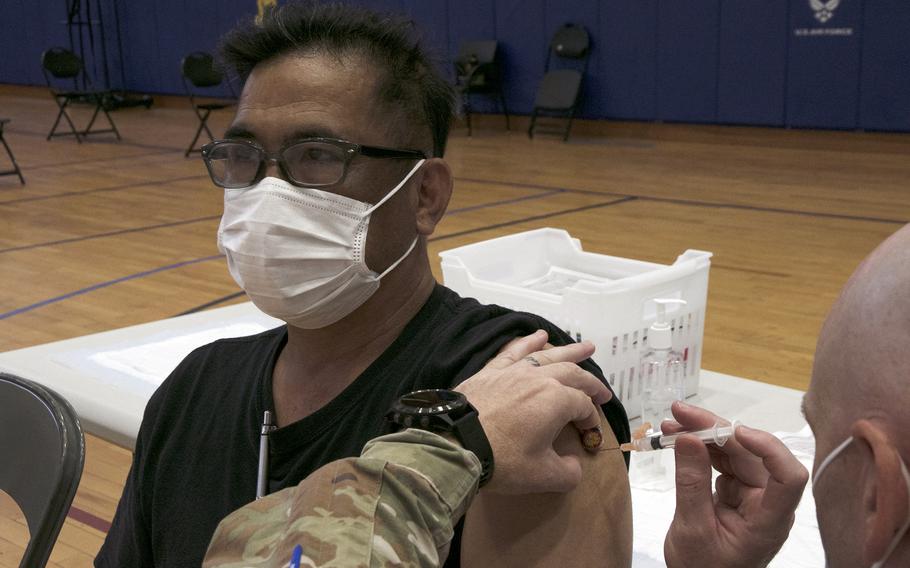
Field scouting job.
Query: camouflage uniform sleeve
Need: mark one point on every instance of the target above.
(395, 505)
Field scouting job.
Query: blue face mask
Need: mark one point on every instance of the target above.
(900, 534)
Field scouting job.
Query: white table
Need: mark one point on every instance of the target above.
(108, 378)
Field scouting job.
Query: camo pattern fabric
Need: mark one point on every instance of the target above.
(395, 505)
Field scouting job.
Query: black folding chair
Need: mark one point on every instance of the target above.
(200, 72)
(15, 171)
(560, 89)
(478, 72)
(58, 65)
(43, 451)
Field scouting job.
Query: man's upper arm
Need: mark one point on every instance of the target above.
(589, 526)
(592, 525)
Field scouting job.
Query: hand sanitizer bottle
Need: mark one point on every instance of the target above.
(662, 369)
(663, 377)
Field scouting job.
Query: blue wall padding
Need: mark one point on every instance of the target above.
(687, 33)
(763, 62)
(823, 71)
(885, 78)
(519, 27)
(470, 19)
(433, 25)
(752, 67)
(627, 59)
(142, 60)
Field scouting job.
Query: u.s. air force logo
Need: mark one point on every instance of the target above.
(824, 11)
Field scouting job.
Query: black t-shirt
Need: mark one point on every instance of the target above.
(197, 451)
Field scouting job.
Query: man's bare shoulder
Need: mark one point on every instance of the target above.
(589, 526)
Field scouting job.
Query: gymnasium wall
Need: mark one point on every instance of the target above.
(762, 62)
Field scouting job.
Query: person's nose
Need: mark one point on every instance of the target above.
(272, 169)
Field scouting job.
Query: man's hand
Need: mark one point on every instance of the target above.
(748, 519)
(525, 396)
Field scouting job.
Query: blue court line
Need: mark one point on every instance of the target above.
(534, 218)
(111, 233)
(541, 187)
(211, 304)
(696, 203)
(101, 189)
(100, 285)
(97, 160)
(109, 141)
(501, 202)
(212, 217)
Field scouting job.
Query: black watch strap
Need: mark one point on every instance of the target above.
(445, 411)
(471, 435)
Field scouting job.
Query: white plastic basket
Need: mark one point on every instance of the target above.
(606, 299)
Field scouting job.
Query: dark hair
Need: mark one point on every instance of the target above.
(409, 80)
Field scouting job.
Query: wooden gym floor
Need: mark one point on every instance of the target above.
(108, 234)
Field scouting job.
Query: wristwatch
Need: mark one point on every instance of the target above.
(445, 411)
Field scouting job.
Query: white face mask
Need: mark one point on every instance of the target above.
(900, 534)
(298, 252)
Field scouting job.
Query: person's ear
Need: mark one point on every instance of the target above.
(883, 489)
(433, 194)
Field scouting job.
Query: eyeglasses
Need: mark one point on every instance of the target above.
(311, 162)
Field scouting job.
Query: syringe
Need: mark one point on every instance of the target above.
(718, 435)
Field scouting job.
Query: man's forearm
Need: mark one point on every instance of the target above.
(396, 504)
(428, 483)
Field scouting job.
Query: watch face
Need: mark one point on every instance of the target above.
(432, 401)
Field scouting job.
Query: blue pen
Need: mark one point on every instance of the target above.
(295, 557)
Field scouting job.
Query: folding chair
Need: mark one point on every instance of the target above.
(15, 171)
(478, 72)
(43, 452)
(199, 72)
(559, 91)
(62, 64)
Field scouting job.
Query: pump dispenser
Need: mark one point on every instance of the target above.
(662, 376)
(662, 369)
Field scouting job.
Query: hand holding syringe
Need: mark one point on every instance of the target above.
(717, 435)
(743, 513)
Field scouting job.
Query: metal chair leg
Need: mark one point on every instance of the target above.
(69, 121)
(113, 126)
(99, 108)
(466, 104)
(202, 124)
(56, 122)
(63, 114)
(205, 125)
(505, 110)
(16, 169)
(88, 128)
(565, 136)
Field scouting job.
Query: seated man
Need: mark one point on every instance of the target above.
(333, 180)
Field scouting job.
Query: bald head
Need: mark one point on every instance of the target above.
(862, 362)
(857, 408)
